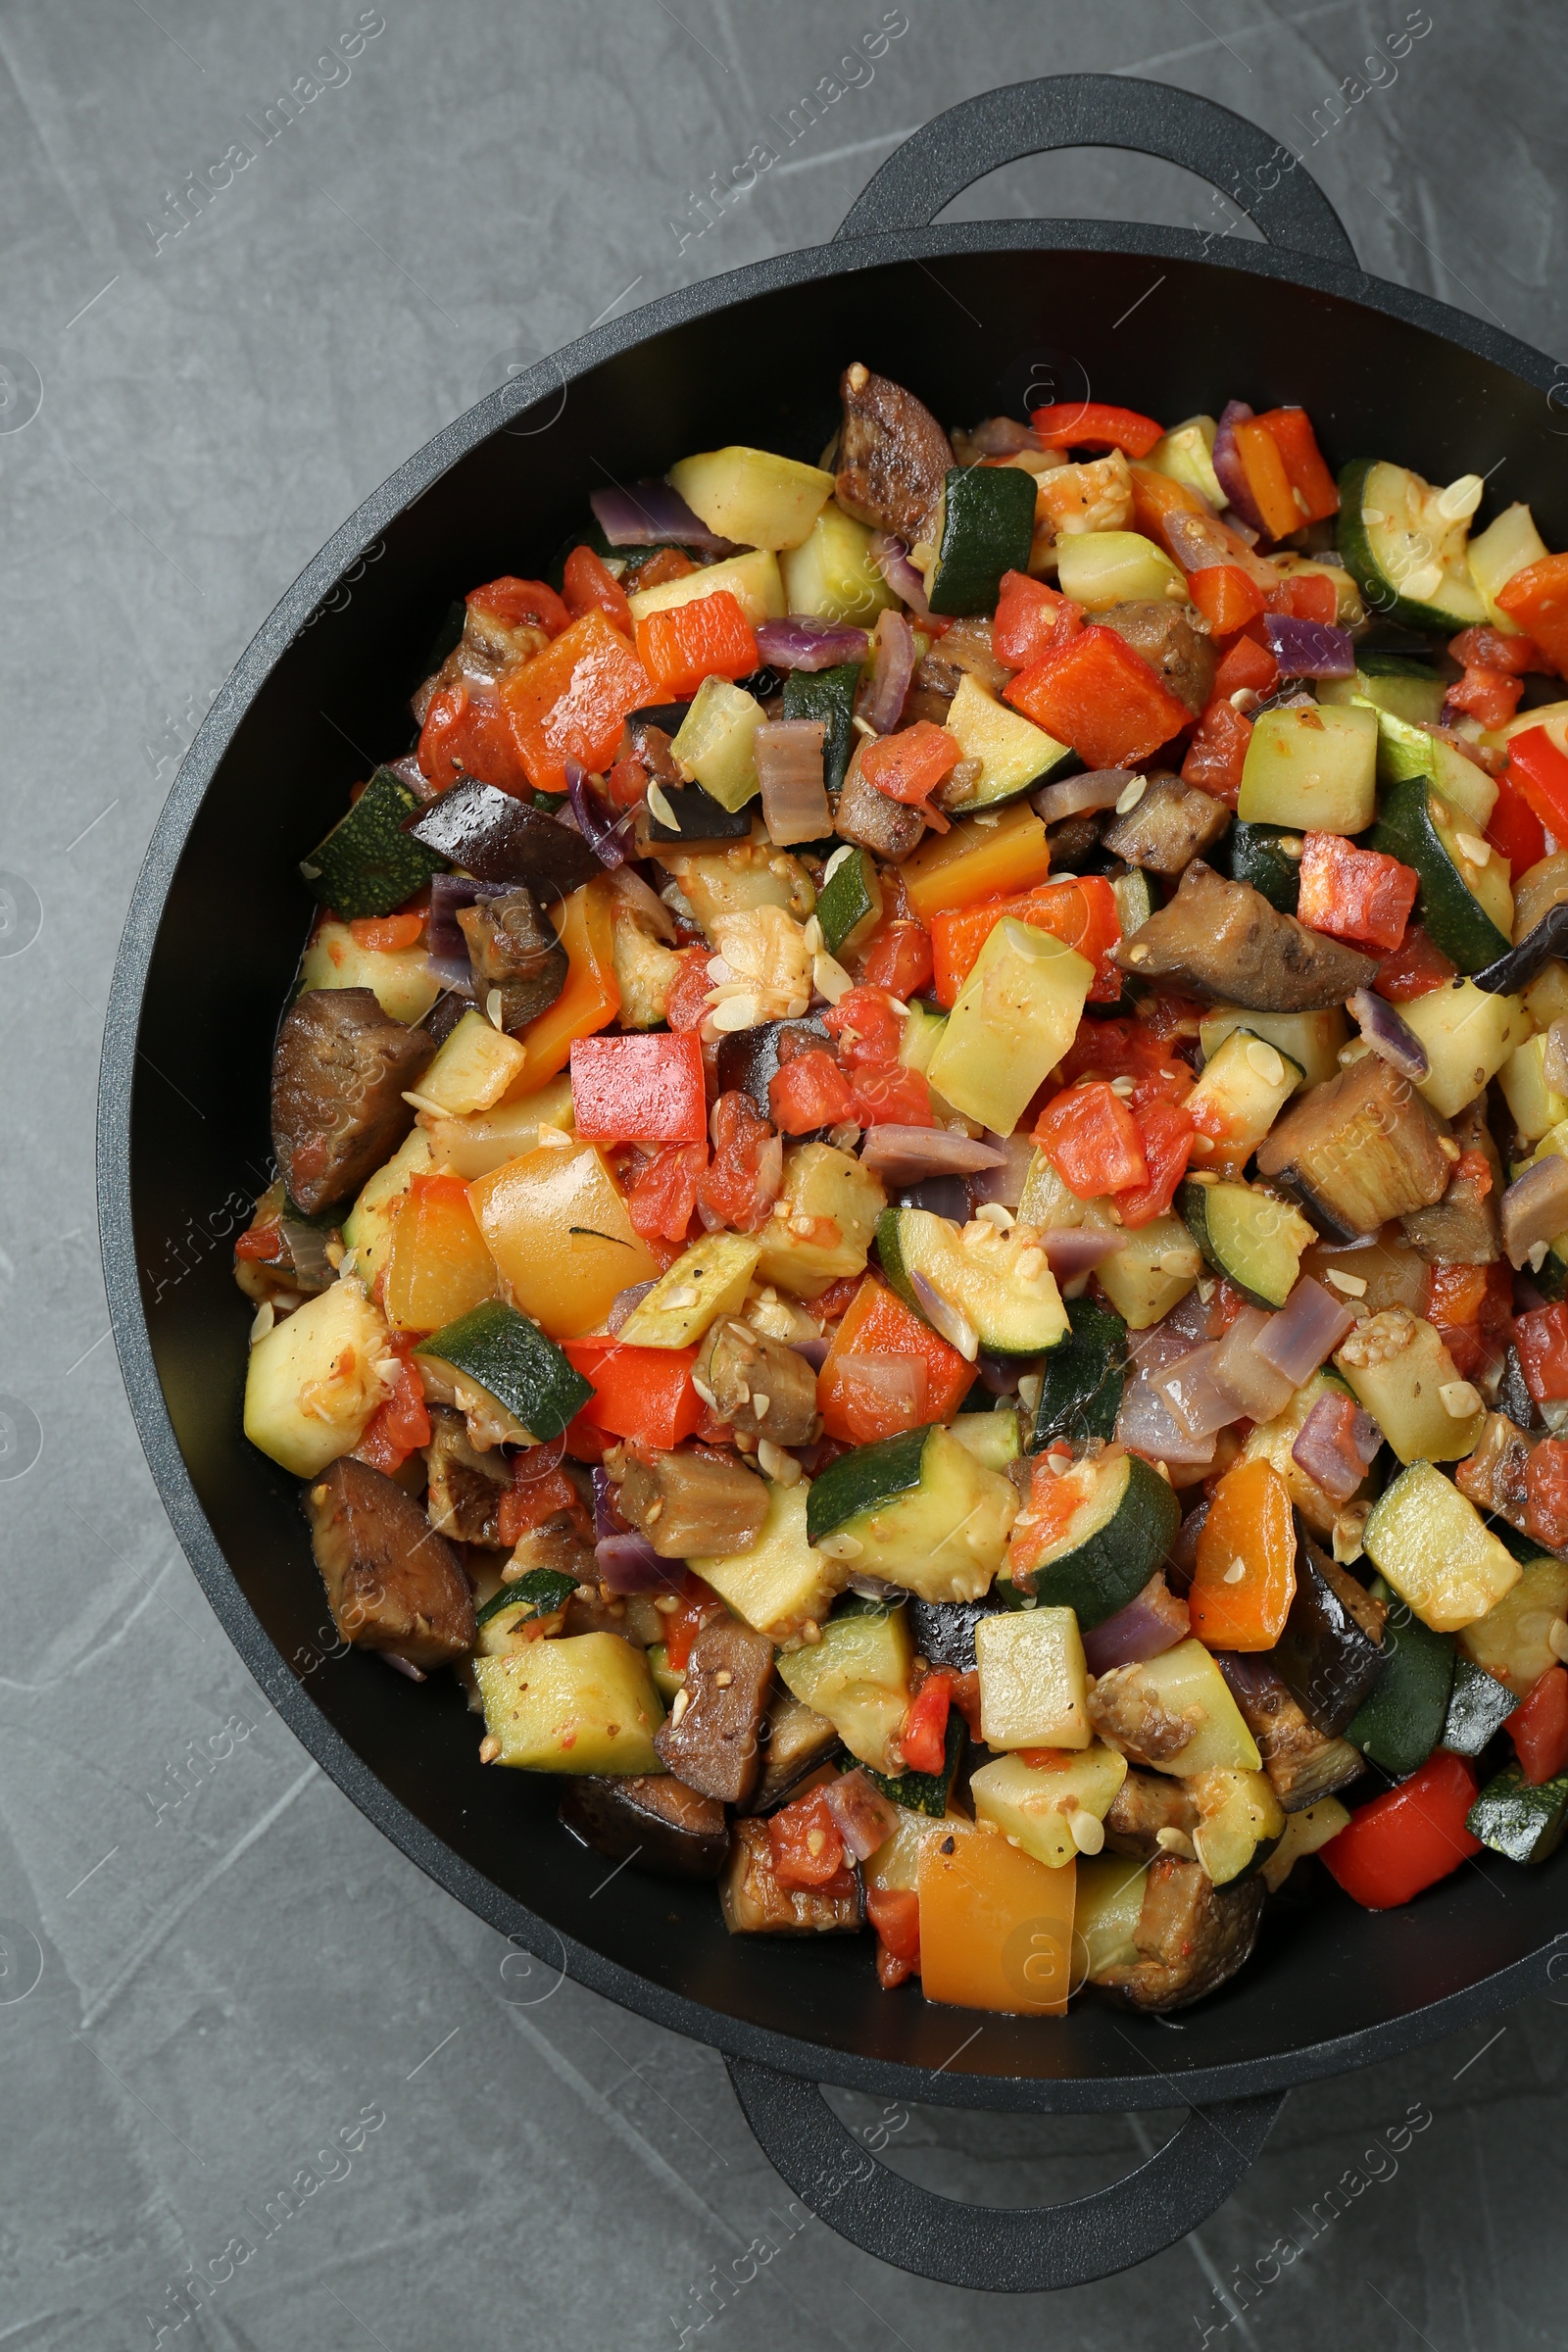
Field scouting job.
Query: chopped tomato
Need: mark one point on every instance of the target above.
(898, 958)
(1415, 969)
(1032, 619)
(641, 1086)
(1167, 1133)
(708, 638)
(1540, 770)
(1308, 596)
(1225, 596)
(1082, 912)
(732, 1190)
(1539, 1728)
(865, 1026)
(809, 1092)
(530, 1506)
(1217, 753)
(573, 700)
(1471, 1306)
(668, 564)
(895, 1914)
(1490, 694)
(1515, 831)
(1092, 1140)
(910, 765)
(887, 1095)
(1486, 648)
(1127, 1049)
(689, 991)
(385, 934)
(398, 1426)
(1352, 893)
(1095, 424)
(1541, 1338)
(1044, 1520)
(467, 732)
(662, 1200)
(1547, 1493)
(859, 1405)
(697, 1604)
(803, 1839)
(1096, 694)
(1245, 663)
(516, 602)
(1536, 601)
(626, 782)
(923, 1734)
(1408, 1838)
(588, 581)
(260, 1242)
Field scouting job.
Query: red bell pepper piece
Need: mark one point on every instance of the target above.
(1226, 598)
(689, 991)
(587, 581)
(1408, 1838)
(811, 1091)
(1415, 969)
(1490, 694)
(1535, 600)
(1244, 663)
(923, 1733)
(1547, 1493)
(515, 602)
(1538, 1727)
(708, 638)
(887, 1095)
(641, 1393)
(1315, 494)
(1515, 831)
(1167, 1133)
(572, 701)
(1092, 1140)
(895, 1914)
(1352, 893)
(1217, 753)
(897, 957)
(1081, 912)
(876, 1323)
(1031, 620)
(1541, 1341)
(1095, 424)
(805, 1847)
(642, 1087)
(910, 765)
(1096, 694)
(1541, 772)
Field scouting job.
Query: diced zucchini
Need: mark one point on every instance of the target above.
(472, 1069)
(1535, 1107)
(1156, 1267)
(1034, 1682)
(1109, 1906)
(1406, 554)
(753, 580)
(1269, 858)
(1120, 1531)
(667, 1678)
(1313, 768)
(928, 1793)
(1515, 1818)
(920, 1037)
(991, 1437)
(1304, 1834)
(1510, 544)
(1409, 690)
(1312, 1040)
(1034, 1802)
(1513, 1641)
(752, 496)
(1253, 1238)
(368, 864)
(1400, 1369)
(919, 1510)
(999, 1284)
(1186, 1679)
(850, 906)
(843, 1200)
(1137, 897)
(1013, 754)
(707, 1281)
(582, 1704)
(1239, 1820)
(715, 744)
(404, 985)
(1401, 1721)
(986, 528)
(1468, 1035)
(367, 1227)
(486, 1139)
(1479, 1704)
(542, 1592)
(1464, 899)
(858, 1676)
(1271, 1441)
(312, 1382)
(827, 695)
(781, 1582)
(1187, 454)
(1242, 1092)
(1405, 750)
(514, 1361)
(1014, 1017)
(1081, 1391)
(1101, 569)
(1433, 1546)
(831, 574)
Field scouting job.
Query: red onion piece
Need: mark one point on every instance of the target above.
(1005, 1181)
(789, 766)
(629, 885)
(1001, 1374)
(608, 1520)
(1308, 1327)
(1335, 1445)
(1096, 788)
(1153, 1621)
(891, 556)
(1387, 1035)
(1309, 649)
(607, 834)
(1193, 1393)
(955, 1327)
(403, 1666)
(866, 1818)
(624, 1302)
(944, 1195)
(653, 514)
(1073, 1250)
(868, 1587)
(1002, 437)
(904, 1155)
(628, 1563)
(1147, 1425)
(448, 895)
(1259, 1390)
(813, 1351)
(1229, 470)
(1181, 1561)
(891, 672)
(801, 641)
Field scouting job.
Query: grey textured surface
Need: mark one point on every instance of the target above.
(211, 1966)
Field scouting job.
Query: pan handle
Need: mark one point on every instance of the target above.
(1262, 176)
(1015, 2249)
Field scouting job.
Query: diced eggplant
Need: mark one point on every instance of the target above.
(495, 837)
(1167, 828)
(1494, 1477)
(893, 455)
(1072, 840)
(796, 1741)
(693, 1506)
(649, 741)
(754, 1902)
(464, 1499)
(392, 1582)
(943, 1631)
(698, 817)
(1301, 1761)
(1125, 1711)
(962, 651)
(1534, 1207)
(1145, 1804)
(1182, 660)
(1461, 1229)
(517, 954)
(1359, 1151)
(761, 1386)
(748, 1060)
(340, 1068)
(650, 1819)
(1223, 939)
(712, 1741)
(1191, 1935)
(1331, 1651)
(872, 821)
(297, 1261)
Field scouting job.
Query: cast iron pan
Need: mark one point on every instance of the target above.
(975, 317)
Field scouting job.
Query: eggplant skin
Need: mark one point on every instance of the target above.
(1171, 824)
(1182, 660)
(893, 455)
(1359, 1149)
(392, 1582)
(714, 1743)
(340, 1068)
(1223, 939)
(1192, 1935)
(651, 1819)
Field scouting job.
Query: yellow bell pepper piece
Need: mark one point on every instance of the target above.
(984, 857)
(556, 1226)
(996, 1925)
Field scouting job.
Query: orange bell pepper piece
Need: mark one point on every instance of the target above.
(1536, 601)
(572, 701)
(1249, 1528)
(708, 638)
(591, 998)
(1315, 494)
(1267, 480)
(1225, 596)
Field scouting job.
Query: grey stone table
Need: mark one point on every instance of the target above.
(240, 2039)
